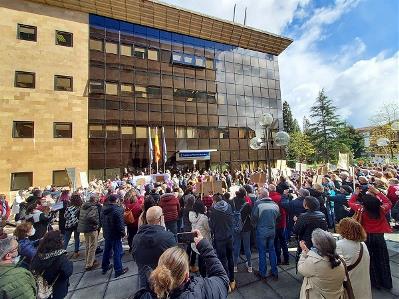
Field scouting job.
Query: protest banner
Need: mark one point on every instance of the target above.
(343, 161)
(71, 173)
(83, 180)
(141, 180)
(281, 164)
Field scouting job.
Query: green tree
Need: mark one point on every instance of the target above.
(323, 128)
(352, 139)
(305, 125)
(300, 147)
(290, 124)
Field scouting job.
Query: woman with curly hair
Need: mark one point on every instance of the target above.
(356, 256)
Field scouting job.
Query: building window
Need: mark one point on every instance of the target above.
(111, 88)
(140, 91)
(139, 52)
(126, 50)
(152, 54)
(96, 131)
(26, 32)
(62, 130)
(141, 132)
(60, 178)
(127, 130)
(23, 129)
(181, 132)
(154, 90)
(63, 83)
(96, 87)
(63, 38)
(126, 89)
(111, 48)
(24, 79)
(209, 64)
(112, 131)
(96, 44)
(21, 180)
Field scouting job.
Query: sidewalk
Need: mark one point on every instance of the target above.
(95, 285)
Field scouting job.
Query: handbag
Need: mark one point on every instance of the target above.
(44, 289)
(347, 283)
(128, 216)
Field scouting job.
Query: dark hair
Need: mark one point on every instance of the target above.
(217, 197)
(189, 202)
(76, 200)
(112, 198)
(372, 205)
(241, 193)
(312, 203)
(167, 190)
(226, 196)
(199, 207)
(51, 241)
(37, 193)
(249, 188)
(148, 203)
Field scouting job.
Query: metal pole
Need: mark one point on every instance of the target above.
(269, 168)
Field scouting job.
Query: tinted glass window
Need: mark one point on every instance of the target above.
(26, 32)
(23, 129)
(24, 79)
(62, 130)
(64, 83)
(63, 38)
(21, 180)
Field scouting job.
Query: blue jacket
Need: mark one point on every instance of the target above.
(221, 220)
(112, 221)
(27, 250)
(264, 217)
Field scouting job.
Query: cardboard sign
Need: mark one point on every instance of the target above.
(83, 180)
(317, 179)
(141, 180)
(343, 161)
(217, 187)
(71, 173)
(281, 164)
(301, 167)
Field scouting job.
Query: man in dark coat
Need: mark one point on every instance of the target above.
(114, 231)
(150, 242)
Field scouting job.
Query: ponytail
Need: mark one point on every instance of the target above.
(162, 281)
(334, 260)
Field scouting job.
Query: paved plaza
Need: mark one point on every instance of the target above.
(95, 285)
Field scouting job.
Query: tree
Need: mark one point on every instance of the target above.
(300, 146)
(305, 125)
(352, 139)
(323, 129)
(386, 114)
(290, 124)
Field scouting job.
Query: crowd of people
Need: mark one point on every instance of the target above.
(301, 209)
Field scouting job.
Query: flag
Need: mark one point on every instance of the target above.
(157, 150)
(165, 153)
(150, 149)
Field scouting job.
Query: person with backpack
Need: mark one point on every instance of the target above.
(264, 217)
(242, 228)
(221, 224)
(71, 223)
(51, 267)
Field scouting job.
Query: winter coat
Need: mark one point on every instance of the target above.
(89, 218)
(264, 217)
(136, 210)
(40, 222)
(16, 282)
(281, 186)
(27, 250)
(320, 280)
(236, 204)
(322, 200)
(391, 194)
(112, 221)
(170, 207)
(221, 221)
(340, 202)
(200, 222)
(307, 223)
(72, 217)
(214, 286)
(360, 276)
(4, 210)
(55, 269)
(276, 197)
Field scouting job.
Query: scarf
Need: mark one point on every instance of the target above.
(51, 254)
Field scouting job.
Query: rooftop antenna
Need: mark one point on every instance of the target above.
(245, 16)
(234, 12)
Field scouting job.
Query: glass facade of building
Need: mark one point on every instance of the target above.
(206, 95)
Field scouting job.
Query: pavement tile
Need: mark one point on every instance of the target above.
(122, 288)
(96, 291)
(78, 266)
(94, 277)
(395, 283)
(235, 295)
(381, 294)
(257, 290)
(74, 280)
(133, 270)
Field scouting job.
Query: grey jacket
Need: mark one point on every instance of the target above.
(89, 218)
(264, 217)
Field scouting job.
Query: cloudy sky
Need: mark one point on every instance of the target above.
(348, 47)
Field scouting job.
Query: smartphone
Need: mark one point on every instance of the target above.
(186, 238)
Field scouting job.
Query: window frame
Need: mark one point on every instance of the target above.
(26, 26)
(62, 32)
(23, 172)
(62, 123)
(24, 73)
(53, 176)
(22, 121)
(64, 77)
(97, 40)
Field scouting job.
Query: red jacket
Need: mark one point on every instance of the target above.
(170, 207)
(371, 225)
(136, 211)
(276, 197)
(4, 210)
(392, 194)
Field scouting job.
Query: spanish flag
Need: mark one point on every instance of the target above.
(157, 150)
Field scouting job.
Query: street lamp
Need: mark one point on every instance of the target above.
(256, 143)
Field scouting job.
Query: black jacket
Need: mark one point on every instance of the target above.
(215, 286)
(112, 221)
(149, 243)
(89, 219)
(55, 270)
(221, 221)
(236, 204)
(307, 223)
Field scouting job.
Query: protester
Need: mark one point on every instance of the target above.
(340, 200)
(242, 230)
(133, 204)
(71, 223)
(148, 203)
(65, 199)
(40, 219)
(150, 242)
(373, 208)
(52, 264)
(187, 227)
(170, 206)
(322, 270)
(221, 224)
(15, 282)
(171, 279)
(114, 231)
(89, 222)
(4, 209)
(264, 218)
(199, 222)
(356, 256)
(26, 248)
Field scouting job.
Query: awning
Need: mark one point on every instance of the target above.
(191, 155)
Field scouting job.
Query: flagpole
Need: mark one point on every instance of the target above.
(150, 149)
(157, 148)
(164, 152)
